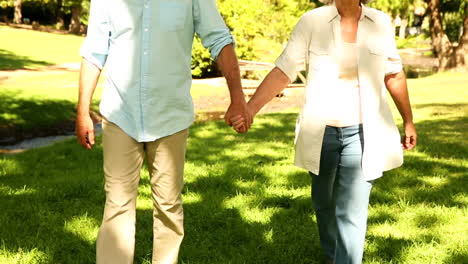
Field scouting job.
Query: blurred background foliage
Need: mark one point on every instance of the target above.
(260, 27)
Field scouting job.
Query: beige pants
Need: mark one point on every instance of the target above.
(123, 158)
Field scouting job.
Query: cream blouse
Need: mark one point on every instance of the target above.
(313, 45)
(344, 99)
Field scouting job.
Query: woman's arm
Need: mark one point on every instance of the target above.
(272, 85)
(396, 85)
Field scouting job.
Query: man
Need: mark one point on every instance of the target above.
(147, 108)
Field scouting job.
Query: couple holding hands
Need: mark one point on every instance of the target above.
(345, 133)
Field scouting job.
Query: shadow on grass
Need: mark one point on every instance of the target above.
(22, 118)
(47, 192)
(51, 199)
(12, 61)
(217, 232)
(439, 141)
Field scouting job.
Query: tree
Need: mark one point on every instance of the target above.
(75, 22)
(59, 15)
(403, 9)
(450, 54)
(18, 15)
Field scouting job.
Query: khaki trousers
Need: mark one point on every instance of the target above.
(123, 158)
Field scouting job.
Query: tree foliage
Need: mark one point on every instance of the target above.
(250, 20)
(254, 23)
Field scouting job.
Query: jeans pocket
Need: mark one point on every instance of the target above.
(172, 15)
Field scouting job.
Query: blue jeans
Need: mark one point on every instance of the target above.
(341, 196)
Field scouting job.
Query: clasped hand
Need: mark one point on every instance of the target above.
(239, 116)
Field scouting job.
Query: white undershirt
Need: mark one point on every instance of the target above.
(344, 97)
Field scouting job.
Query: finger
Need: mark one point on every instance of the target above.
(236, 118)
(227, 120)
(237, 122)
(240, 130)
(91, 137)
(412, 143)
(239, 126)
(81, 138)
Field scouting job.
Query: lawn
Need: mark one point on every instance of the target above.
(19, 48)
(33, 100)
(244, 200)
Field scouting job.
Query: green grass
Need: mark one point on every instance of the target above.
(21, 49)
(244, 201)
(42, 99)
(419, 41)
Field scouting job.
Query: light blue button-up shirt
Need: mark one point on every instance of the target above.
(146, 46)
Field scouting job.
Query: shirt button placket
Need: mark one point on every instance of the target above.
(145, 61)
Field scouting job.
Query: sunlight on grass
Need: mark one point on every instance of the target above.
(33, 256)
(244, 201)
(84, 227)
(54, 48)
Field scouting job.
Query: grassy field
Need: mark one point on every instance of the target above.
(32, 100)
(21, 48)
(244, 200)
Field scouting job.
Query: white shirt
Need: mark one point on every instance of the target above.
(344, 98)
(313, 44)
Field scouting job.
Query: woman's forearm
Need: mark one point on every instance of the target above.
(272, 85)
(396, 85)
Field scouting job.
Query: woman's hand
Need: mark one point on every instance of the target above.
(240, 124)
(410, 139)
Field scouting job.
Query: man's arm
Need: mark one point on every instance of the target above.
(272, 85)
(227, 61)
(396, 85)
(89, 76)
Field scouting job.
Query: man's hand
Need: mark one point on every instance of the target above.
(85, 131)
(410, 139)
(89, 76)
(239, 116)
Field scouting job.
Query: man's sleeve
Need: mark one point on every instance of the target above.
(96, 44)
(393, 64)
(210, 26)
(293, 57)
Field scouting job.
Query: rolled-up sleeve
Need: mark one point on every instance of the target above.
(95, 46)
(394, 63)
(210, 26)
(293, 57)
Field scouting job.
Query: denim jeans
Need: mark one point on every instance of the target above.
(341, 196)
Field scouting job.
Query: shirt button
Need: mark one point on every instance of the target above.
(145, 52)
(146, 29)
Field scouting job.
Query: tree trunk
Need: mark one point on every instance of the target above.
(75, 19)
(449, 55)
(60, 22)
(461, 50)
(18, 15)
(403, 25)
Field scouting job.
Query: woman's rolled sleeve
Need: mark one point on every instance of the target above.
(293, 57)
(95, 46)
(210, 26)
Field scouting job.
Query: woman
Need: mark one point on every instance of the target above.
(345, 134)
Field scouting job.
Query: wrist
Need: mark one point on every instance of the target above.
(408, 122)
(237, 97)
(83, 112)
(253, 107)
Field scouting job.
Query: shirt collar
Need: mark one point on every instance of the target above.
(366, 13)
